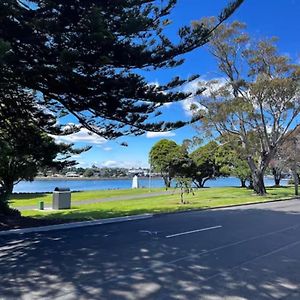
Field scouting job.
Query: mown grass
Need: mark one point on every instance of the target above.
(203, 199)
(24, 199)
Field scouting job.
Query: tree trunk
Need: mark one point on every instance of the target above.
(243, 182)
(204, 180)
(257, 174)
(5, 192)
(167, 182)
(251, 184)
(258, 182)
(296, 182)
(277, 176)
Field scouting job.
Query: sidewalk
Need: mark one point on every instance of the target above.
(92, 201)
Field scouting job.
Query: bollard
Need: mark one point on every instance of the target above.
(41, 205)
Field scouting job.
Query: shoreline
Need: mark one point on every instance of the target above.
(91, 178)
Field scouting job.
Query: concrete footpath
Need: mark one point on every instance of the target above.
(108, 199)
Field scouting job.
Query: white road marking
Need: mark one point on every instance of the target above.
(193, 231)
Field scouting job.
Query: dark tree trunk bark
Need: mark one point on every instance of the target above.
(196, 184)
(277, 176)
(258, 182)
(5, 192)
(199, 183)
(167, 182)
(296, 182)
(251, 184)
(204, 180)
(243, 183)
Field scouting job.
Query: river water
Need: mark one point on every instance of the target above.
(38, 186)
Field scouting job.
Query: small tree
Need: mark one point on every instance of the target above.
(161, 158)
(184, 168)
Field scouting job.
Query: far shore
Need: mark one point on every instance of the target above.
(92, 178)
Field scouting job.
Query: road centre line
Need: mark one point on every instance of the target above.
(199, 255)
(193, 231)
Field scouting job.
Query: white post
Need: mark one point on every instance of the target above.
(135, 182)
(150, 179)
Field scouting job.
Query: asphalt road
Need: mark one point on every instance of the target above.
(249, 252)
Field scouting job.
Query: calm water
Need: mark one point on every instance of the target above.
(84, 185)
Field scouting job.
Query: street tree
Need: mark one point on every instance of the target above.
(161, 158)
(257, 99)
(85, 58)
(184, 168)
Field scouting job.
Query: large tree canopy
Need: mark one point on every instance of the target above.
(257, 100)
(82, 57)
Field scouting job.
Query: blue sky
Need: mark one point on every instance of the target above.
(263, 18)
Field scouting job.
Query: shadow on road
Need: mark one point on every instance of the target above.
(257, 259)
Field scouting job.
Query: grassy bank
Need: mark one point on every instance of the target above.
(204, 198)
(24, 199)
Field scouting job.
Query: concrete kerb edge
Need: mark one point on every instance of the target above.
(224, 206)
(72, 225)
(124, 219)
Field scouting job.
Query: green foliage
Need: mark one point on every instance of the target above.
(82, 56)
(88, 173)
(161, 158)
(183, 167)
(258, 100)
(206, 165)
(232, 160)
(24, 147)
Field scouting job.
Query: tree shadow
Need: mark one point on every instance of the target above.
(25, 196)
(126, 261)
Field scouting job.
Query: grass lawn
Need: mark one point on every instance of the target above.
(204, 198)
(24, 199)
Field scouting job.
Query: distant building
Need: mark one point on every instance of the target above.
(138, 172)
(71, 174)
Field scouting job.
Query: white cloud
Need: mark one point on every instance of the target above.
(107, 148)
(151, 134)
(156, 84)
(121, 164)
(83, 136)
(193, 87)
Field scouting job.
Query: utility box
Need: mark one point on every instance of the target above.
(61, 198)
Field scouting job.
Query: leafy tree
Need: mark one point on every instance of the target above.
(258, 102)
(289, 151)
(23, 154)
(82, 56)
(183, 167)
(88, 173)
(231, 158)
(24, 147)
(206, 166)
(277, 167)
(161, 158)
